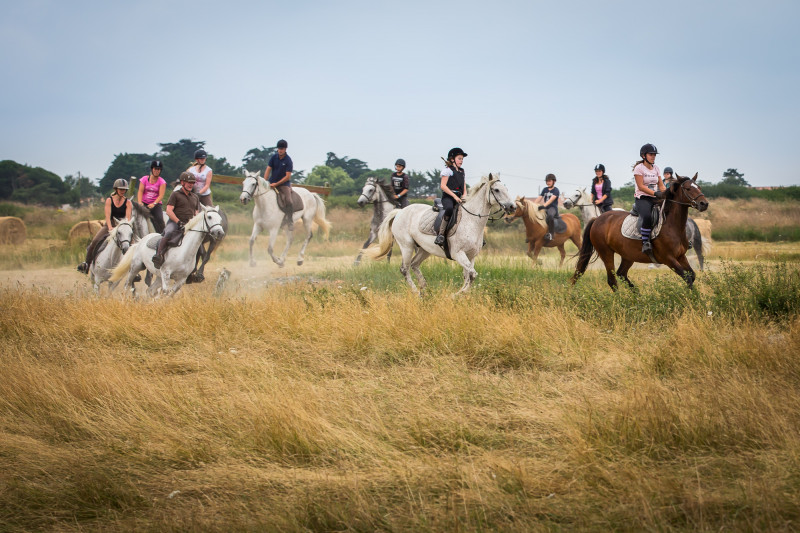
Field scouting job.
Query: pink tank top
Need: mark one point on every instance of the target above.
(598, 190)
(150, 190)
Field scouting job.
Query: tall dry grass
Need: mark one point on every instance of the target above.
(310, 407)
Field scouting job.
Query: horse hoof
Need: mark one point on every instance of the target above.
(299, 263)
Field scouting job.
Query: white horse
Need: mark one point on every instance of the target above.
(179, 261)
(116, 244)
(373, 193)
(583, 199)
(268, 216)
(465, 242)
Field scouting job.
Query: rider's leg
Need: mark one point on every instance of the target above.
(170, 232)
(644, 206)
(157, 216)
(448, 204)
(288, 209)
(101, 234)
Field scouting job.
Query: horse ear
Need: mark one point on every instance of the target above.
(695, 177)
(490, 176)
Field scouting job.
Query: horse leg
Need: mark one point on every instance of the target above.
(680, 265)
(406, 252)
(563, 254)
(273, 234)
(253, 235)
(416, 261)
(152, 290)
(622, 271)
(370, 238)
(289, 239)
(537, 247)
(606, 254)
(469, 271)
(309, 234)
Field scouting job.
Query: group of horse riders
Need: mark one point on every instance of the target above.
(195, 183)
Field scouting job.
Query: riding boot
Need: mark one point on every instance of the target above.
(83, 268)
(442, 230)
(549, 235)
(288, 218)
(158, 258)
(647, 246)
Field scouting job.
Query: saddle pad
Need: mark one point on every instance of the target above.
(297, 202)
(630, 228)
(559, 226)
(152, 243)
(429, 217)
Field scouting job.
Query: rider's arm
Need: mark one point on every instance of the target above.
(171, 213)
(161, 191)
(640, 185)
(128, 210)
(267, 172)
(209, 177)
(108, 213)
(661, 186)
(283, 180)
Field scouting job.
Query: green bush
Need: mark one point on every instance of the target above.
(11, 210)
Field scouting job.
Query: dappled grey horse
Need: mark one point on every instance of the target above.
(374, 193)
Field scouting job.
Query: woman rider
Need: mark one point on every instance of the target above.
(647, 176)
(202, 175)
(601, 189)
(550, 196)
(117, 207)
(151, 192)
(452, 185)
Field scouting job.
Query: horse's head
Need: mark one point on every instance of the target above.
(573, 199)
(520, 208)
(498, 194)
(122, 234)
(686, 190)
(249, 186)
(212, 221)
(368, 192)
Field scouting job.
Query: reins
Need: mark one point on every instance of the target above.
(489, 216)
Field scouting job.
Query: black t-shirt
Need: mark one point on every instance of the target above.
(399, 182)
(456, 182)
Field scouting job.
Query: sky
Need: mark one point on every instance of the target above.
(526, 88)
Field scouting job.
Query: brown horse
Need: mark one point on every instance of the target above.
(536, 228)
(604, 234)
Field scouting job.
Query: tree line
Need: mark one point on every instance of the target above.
(346, 176)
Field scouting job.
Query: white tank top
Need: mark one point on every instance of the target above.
(201, 178)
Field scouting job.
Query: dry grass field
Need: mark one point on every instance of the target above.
(327, 398)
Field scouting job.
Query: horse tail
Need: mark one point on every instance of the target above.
(380, 249)
(705, 232)
(319, 216)
(124, 265)
(585, 253)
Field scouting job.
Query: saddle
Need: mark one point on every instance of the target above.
(559, 226)
(431, 221)
(297, 202)
(153, 242)
(632, 225)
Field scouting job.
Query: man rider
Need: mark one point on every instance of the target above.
(183, 204)
(278, 174)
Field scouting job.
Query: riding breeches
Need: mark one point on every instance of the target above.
(286, 197)
(448, 204)
(402, 202)
(172, 237)
(157, 218)
(206, 200)
(644, 206)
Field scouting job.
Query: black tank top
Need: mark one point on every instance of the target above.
(118, 212)
(456, 182)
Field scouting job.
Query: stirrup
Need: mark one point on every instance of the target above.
(439, 240)
(647, 247)
(83, 268)
(548, 237)
(158, 260)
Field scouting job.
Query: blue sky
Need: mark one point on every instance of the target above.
(526, 88)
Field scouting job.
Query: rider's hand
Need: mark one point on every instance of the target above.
(660, 194)
(541, 208)
(181, 224)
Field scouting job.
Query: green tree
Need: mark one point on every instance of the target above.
(81, 186)
(256, 159)
(124, 166)
(32, 185)
(354, 167)
(733, 177)
(334, 177)
(424, 184)
(178, 156)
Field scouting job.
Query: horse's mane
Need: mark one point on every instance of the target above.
(485, 180)
(195, 220)
(141, 209)
(677, 182)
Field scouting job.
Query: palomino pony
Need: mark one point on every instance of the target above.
(465, 240)
(373, 193)
(604, 234)
(179, 261)
(116, 244)
(536, 229)
(268, 216)
(589, 211)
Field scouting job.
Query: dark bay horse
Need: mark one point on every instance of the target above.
(604, 234)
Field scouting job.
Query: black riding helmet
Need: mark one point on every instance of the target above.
(401, 162)
(669, 169)
(282, 144)
(455, 152)
(600, 167)
(200, 154)
(647, 149)
(156, 164)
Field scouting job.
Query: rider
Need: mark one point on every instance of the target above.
(601, 189)
(647, 176)
(203, 175)
(669, 176)
(400, 184)
(151, 192)
(183, 204)
(452, 185)
(279, 175)
(550, 196)
(117, 207)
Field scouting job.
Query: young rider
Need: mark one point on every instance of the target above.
(400, 184)
(647, 176)
(182, 205)
(151, 192)
(203, 175)
(453, 186)
(601, 189)
(550, 196)
(279, 175)
(117, 207)
(669, 175)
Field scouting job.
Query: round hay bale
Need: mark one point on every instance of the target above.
(85, 229)
(12, 230)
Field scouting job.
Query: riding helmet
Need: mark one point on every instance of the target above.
(401, 162)
(282, 144)
(188, 176)
(601, 167)
(200, 154)
(156, 164)
(454, 152)
(121, 184)
(647, 149)
(550, 177)
(669, 169)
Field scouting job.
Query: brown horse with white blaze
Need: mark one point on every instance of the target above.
(536, 229)
(604, 234)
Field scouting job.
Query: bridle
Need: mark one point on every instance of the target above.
(117, 240)
(206, 228)
(492, 213)
(692, 200)
(253, 194)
